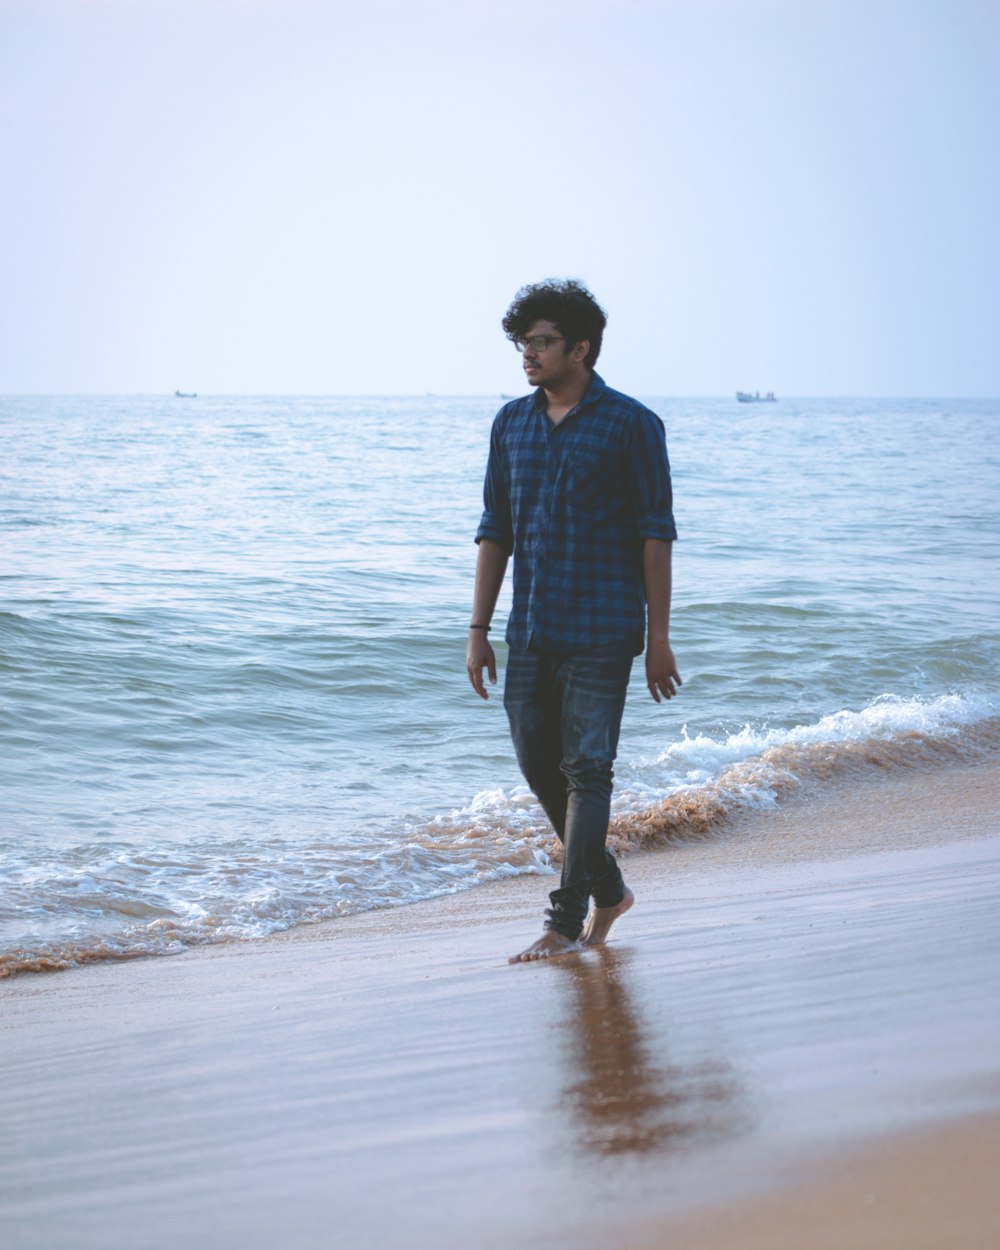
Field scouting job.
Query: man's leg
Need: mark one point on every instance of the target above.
(591, 687)
(565, 713)
(531, 700)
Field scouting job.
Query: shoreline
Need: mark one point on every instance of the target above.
(817, 993)
(809, 782)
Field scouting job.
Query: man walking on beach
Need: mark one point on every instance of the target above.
(578, 492)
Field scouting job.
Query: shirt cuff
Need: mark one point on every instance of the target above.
(661, 527)
(490, 527)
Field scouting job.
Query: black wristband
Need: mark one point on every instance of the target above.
(485, 628)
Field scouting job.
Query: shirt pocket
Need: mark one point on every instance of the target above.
(592, 486)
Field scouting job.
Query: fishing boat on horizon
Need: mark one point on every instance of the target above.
(757, 398)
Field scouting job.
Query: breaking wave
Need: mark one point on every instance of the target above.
(120, 903)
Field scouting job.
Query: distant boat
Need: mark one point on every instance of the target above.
(186, 394)
(757, 398)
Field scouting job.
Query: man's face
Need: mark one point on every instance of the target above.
(553, 364)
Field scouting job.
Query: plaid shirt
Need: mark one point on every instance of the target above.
(574, 503)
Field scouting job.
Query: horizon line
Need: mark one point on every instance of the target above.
(448, 395)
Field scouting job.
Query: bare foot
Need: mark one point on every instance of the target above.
(548, 946)
(600, 920)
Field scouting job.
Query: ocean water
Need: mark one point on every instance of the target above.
(232, 637)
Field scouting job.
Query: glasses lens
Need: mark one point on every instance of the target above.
(537, 342)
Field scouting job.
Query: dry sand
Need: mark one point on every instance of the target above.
(792, 1041)
(934, 1190)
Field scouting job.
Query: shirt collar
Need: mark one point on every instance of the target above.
(595, 389)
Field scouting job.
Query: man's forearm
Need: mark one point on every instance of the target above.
(656, 572)
(491, 565)
(662, 676)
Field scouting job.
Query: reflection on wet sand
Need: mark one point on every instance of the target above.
(619, 1097)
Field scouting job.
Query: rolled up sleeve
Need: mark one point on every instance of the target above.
(649, 470)
(496, 523)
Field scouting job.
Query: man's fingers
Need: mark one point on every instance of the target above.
(478, 659)
(662, 678)
(476, 678)
(663, 687)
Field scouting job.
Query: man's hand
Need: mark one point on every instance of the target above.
(479, 655)
(662, 676)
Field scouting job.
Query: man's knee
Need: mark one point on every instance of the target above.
(591, 777)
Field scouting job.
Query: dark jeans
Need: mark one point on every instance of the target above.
(565, 712)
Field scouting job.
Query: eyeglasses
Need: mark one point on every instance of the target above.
(538, 342)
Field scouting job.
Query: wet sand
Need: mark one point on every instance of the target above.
(793, 1019)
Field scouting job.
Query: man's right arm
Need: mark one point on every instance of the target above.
(491, 565)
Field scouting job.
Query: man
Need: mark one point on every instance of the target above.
(578, 492)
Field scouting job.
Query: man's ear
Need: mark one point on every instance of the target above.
(580, 350)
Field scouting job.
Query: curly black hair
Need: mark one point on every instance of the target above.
(568, 305)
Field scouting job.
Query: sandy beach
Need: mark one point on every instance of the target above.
(792, 1041)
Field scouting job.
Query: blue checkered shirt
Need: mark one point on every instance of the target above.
(573, 503)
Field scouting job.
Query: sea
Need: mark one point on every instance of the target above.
(232, 638)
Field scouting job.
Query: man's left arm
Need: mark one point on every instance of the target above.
(662, 676)
(648, 467)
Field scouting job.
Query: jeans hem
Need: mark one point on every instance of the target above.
(567, 931)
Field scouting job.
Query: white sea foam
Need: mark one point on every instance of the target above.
(694, 760)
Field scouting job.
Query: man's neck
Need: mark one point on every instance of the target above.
(564, 398)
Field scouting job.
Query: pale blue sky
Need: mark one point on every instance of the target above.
(281, 196)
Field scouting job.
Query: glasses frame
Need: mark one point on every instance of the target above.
(546, 341)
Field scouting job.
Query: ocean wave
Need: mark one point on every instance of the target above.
(120, 903)
(753, 770)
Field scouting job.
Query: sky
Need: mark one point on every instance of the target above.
(293, 197)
